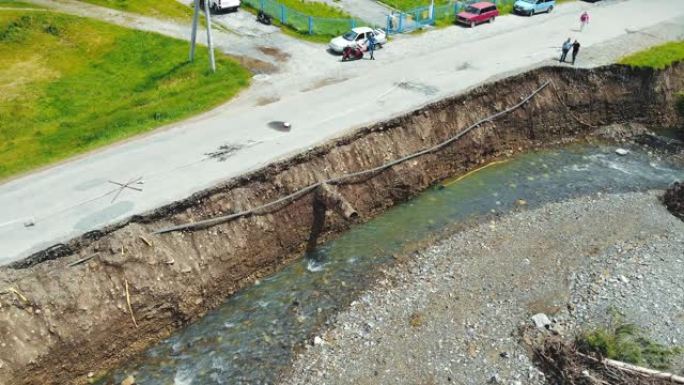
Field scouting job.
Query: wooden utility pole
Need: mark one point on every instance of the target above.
(209, 42)
(193, 35)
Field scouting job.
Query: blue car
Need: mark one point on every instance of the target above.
(530, 7)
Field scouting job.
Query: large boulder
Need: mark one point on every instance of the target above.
(674, 200)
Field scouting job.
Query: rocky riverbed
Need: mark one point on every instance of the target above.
(452, 312)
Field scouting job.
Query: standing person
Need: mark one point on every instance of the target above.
(564, 49)
(575, 50)
(371, 44)
(584, 20)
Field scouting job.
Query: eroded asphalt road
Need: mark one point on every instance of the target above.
(322, 98)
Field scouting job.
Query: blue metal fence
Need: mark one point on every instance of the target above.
(304, 23)
(400, 22)
(397, 22)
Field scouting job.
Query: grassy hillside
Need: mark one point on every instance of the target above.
(16, 4)
(69, 85)
(157, 8)
(315, 8)
(407, 5)
(657, 57)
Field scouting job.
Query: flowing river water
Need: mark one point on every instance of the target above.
(251, 337)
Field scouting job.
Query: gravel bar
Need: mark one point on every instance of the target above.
(452, 312)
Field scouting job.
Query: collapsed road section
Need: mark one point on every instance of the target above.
(97, 300)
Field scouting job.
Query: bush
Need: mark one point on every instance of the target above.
(627, 343)
(15, 31)
(51, 29)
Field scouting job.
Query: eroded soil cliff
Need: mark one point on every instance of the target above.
(66, 311)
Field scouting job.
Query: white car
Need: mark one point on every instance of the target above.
(223, 5)
(357, 36)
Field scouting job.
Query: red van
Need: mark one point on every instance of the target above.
(477, 13)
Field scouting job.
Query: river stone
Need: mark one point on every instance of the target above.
(621, 151)
(541, 321)
(674, 200)
(130, 380)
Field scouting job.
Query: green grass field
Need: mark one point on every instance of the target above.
(69, 85)
(16, 4)
(328, 21)
(158, 8)
(407, 5)
(657, 57)
(315, 9)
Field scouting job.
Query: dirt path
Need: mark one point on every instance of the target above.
(231, 43)
(263, 49)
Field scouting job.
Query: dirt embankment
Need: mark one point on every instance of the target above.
(60, 319)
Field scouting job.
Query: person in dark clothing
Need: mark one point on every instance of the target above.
(575, 50)
(564, 49)
(371, 45)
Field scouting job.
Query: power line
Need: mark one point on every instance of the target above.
(341, 179)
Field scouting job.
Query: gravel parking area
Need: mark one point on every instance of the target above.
(452, 313)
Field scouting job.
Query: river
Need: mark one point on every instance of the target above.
(250, 339)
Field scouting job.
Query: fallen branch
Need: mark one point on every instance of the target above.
(128, 301)
(17, 293)
(148, 243)
(592, 379)
(636, 369)
(80, 261)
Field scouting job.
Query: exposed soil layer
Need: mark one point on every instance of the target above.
(674, 200)
(64, 311)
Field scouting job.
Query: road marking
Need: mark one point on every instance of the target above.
(126, 185)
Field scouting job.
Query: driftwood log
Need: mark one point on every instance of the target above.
(673, 378)
(563, 364)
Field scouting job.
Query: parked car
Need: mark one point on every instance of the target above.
(530, 7)
(223, 5)
(477, 13)
(357, 36)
